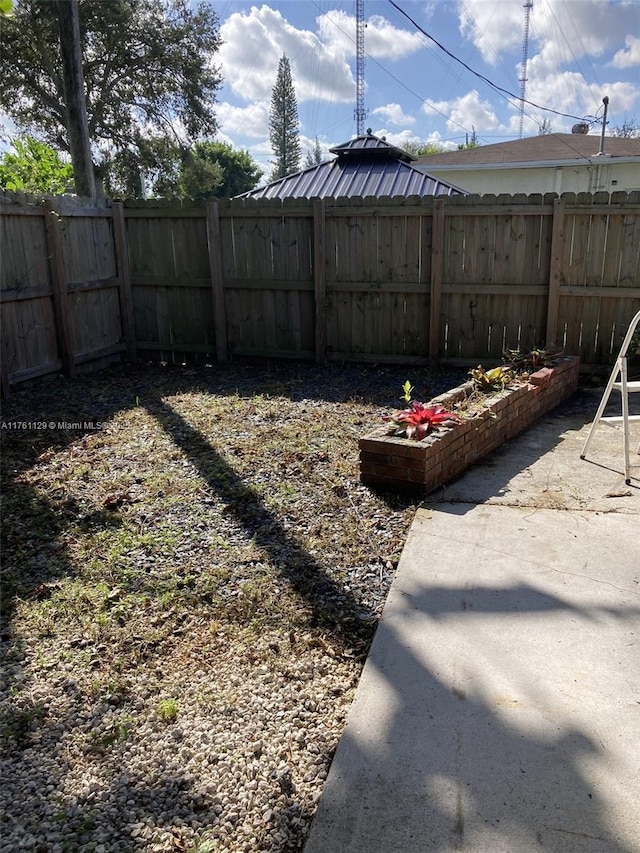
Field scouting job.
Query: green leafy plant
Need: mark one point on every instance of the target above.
(34, 167)
(528, 361)
(407, 391)
(490, 380)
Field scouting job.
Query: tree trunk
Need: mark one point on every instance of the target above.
(75, 98)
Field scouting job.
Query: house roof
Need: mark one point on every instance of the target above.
(546, 147)
(364, 166)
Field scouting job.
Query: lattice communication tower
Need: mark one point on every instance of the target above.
(528, 6)
(360, 113)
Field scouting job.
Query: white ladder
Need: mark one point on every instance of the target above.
(618, 380)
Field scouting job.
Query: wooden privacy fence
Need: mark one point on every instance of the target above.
(373, 280)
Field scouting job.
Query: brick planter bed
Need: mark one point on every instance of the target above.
(393, 462)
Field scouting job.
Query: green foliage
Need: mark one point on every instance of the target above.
(471, 141)
(34, 167)
(168, 709)
(216, 169)
(490, 380)
(528, 361)
(146, 64)
(284, 132)
(407, 391)
(6, 8)
(422, 149)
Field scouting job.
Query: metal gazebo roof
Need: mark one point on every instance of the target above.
(364, 166)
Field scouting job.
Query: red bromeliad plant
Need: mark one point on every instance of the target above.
(418, 421)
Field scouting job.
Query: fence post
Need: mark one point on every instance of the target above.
(123, 266)
(320, 278)
(64, 330)
(217, 282)
(437, 267)
(555, 270)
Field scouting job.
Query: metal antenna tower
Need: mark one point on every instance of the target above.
(528, 6)
(360, 113)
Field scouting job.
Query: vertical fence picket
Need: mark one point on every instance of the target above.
(437, 268)
(64, 330)
(320, 279)
(217, 282)
(123, 267)
(555, 271)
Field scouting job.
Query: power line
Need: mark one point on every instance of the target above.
(499, 89)
(431, 106)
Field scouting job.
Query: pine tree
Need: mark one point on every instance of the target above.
(314, 157)
(283, 123)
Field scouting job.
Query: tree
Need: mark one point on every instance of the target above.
(147, 72)
(471, 141)
(422, 149)
(35, 168)
(75, 117)
(314, 157)
(627, 130)
(217, 169)
(283, 123)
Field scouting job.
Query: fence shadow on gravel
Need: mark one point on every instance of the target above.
(333, 608)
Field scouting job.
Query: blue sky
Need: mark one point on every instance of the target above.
(579, 51)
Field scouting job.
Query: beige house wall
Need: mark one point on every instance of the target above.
(602, 175)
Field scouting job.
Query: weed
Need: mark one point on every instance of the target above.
(168, 709)
(17, 721)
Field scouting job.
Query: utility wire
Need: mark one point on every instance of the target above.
(476, 73)
(393, 76)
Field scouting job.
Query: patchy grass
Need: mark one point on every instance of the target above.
(215, 523)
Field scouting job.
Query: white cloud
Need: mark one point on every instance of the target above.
(567, 29)
(409, 138)
(630, 56)
(492, 27)
(405, 137)
(466, 112)
(253, 45)
(252, 120)
(569, 92)
(394, 114)
(382, 39)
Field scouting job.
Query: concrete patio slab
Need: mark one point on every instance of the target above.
(499, 707)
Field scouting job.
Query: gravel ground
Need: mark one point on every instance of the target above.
(190, 588)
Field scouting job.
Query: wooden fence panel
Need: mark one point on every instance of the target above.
(29, 342)
(600, 266)
(269, 281)
(378, 265)
(494, 297)
(90, 269)
(171, 283)
(341, 279)
(87, 248)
